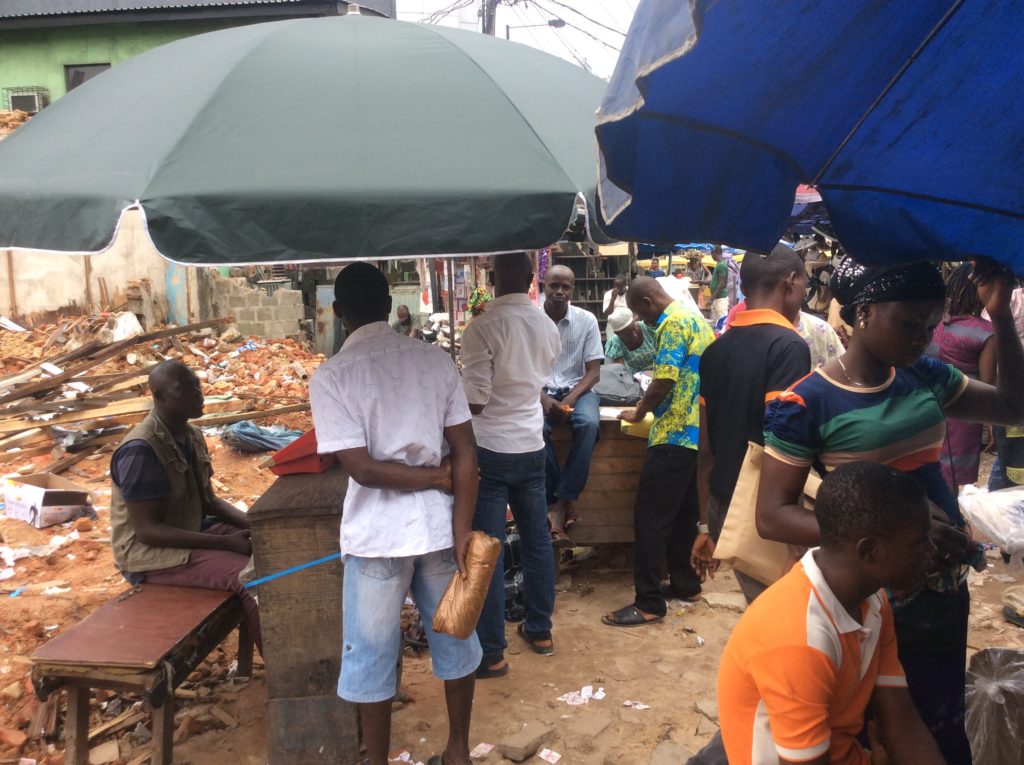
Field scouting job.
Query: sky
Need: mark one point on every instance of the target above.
(592, 36)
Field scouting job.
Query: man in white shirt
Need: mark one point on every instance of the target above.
(407, 449)
(568, 397)
(507, 356)
(615, 298)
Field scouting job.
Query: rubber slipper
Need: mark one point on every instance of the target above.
(560, 539)
(483, 672)
(1011, 615)
(570, 521)
(629, 616)
(531, 640)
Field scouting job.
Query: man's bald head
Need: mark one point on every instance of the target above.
(647, 299)
(513, 272)
(558, 288)
(177, 394)
(562, 272)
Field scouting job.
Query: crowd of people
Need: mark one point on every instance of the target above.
(873, 611)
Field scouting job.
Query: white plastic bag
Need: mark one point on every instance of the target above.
(996, 515)
(995, 705)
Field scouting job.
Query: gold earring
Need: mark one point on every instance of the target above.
(863, 324)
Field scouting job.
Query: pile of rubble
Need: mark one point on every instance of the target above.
(10, 121)
(72, 389)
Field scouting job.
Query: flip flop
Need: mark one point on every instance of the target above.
(483, 672)
(570, 521)
(629, 616)
(1011, 615)
(531, 640)
(560, 539)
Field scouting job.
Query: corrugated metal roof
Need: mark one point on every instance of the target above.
(11, 9)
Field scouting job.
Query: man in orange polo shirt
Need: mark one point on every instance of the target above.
(818, 645)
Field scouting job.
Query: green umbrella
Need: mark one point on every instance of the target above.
(313, 139)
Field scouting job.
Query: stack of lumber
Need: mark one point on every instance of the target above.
(73, 401)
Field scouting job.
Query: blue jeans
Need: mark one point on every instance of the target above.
(373, 592)
(516, 481)
(569, 480)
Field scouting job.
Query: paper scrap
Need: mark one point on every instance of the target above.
(481, 750)
(549, 756)
(582, 696)
(635, 705)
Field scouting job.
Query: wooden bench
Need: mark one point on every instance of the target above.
(147, 640)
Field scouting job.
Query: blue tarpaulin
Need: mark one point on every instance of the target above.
(907, 117)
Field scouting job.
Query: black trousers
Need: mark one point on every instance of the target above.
(665, 525)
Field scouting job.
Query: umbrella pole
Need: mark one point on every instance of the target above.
(451, 305)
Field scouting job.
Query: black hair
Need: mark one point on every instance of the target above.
(866, 499)
(361, 292)
(760, 272)
(961, 294)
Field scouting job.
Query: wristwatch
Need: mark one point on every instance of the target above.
(702, 528)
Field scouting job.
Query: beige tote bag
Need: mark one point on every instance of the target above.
(739, 545)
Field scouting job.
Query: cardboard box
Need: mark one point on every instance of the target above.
(44, 499)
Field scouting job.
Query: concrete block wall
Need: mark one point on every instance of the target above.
(256, 313)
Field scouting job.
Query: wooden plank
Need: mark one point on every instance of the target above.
(27, 437)
(140, 405)
(227, 419)
(126, 719)
(600, 480)
(582, 534)
(69, 459)
(10, 283)
(612, 499)
(106, 353)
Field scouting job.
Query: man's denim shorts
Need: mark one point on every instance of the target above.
(374, 591)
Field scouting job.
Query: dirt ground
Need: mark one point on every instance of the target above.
(669, 667)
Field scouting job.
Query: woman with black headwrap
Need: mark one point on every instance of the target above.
(884, 402)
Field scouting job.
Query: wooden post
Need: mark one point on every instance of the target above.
(88, 282)
(10, 283)
(163, 732)
(245, 648)
(451, 304)
(76, 727)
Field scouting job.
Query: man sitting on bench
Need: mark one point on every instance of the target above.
(167, 526)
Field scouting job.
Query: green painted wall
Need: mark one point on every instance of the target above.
(37, 57)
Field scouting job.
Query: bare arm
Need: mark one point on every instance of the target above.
(466, 480)
(780, 514)
(904, 736)
(657, 392)
(702, 555)
(375, 474)
(147, 521)
(590, 378)
(1002, 404)
(228, 512)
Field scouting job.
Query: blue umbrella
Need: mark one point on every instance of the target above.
(907, 116)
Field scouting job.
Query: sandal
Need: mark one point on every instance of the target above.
(483, 672)
(570, 521)
(560, 539)
(629, 616)
(1013, 616)
(532, 640)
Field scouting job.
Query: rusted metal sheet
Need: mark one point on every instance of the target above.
(327, 328)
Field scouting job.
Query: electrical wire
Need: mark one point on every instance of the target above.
(578, 29)
(592, 21)
(437, 16)
(580, 59)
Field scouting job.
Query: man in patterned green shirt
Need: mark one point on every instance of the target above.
(666, 512)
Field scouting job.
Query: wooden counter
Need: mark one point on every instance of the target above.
(606, 505)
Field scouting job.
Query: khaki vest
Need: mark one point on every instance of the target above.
(184, 508)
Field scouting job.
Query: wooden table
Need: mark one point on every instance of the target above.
(606, 505)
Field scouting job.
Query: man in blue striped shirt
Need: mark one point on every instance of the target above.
(567, 397)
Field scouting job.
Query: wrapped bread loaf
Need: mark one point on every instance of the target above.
(463, 600)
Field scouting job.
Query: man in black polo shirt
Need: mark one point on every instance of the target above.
(760, 356)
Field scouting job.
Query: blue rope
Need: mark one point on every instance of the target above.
(293, 569)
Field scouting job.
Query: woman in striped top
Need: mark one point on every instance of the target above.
(884, 402)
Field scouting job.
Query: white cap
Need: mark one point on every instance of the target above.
(620, 319)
